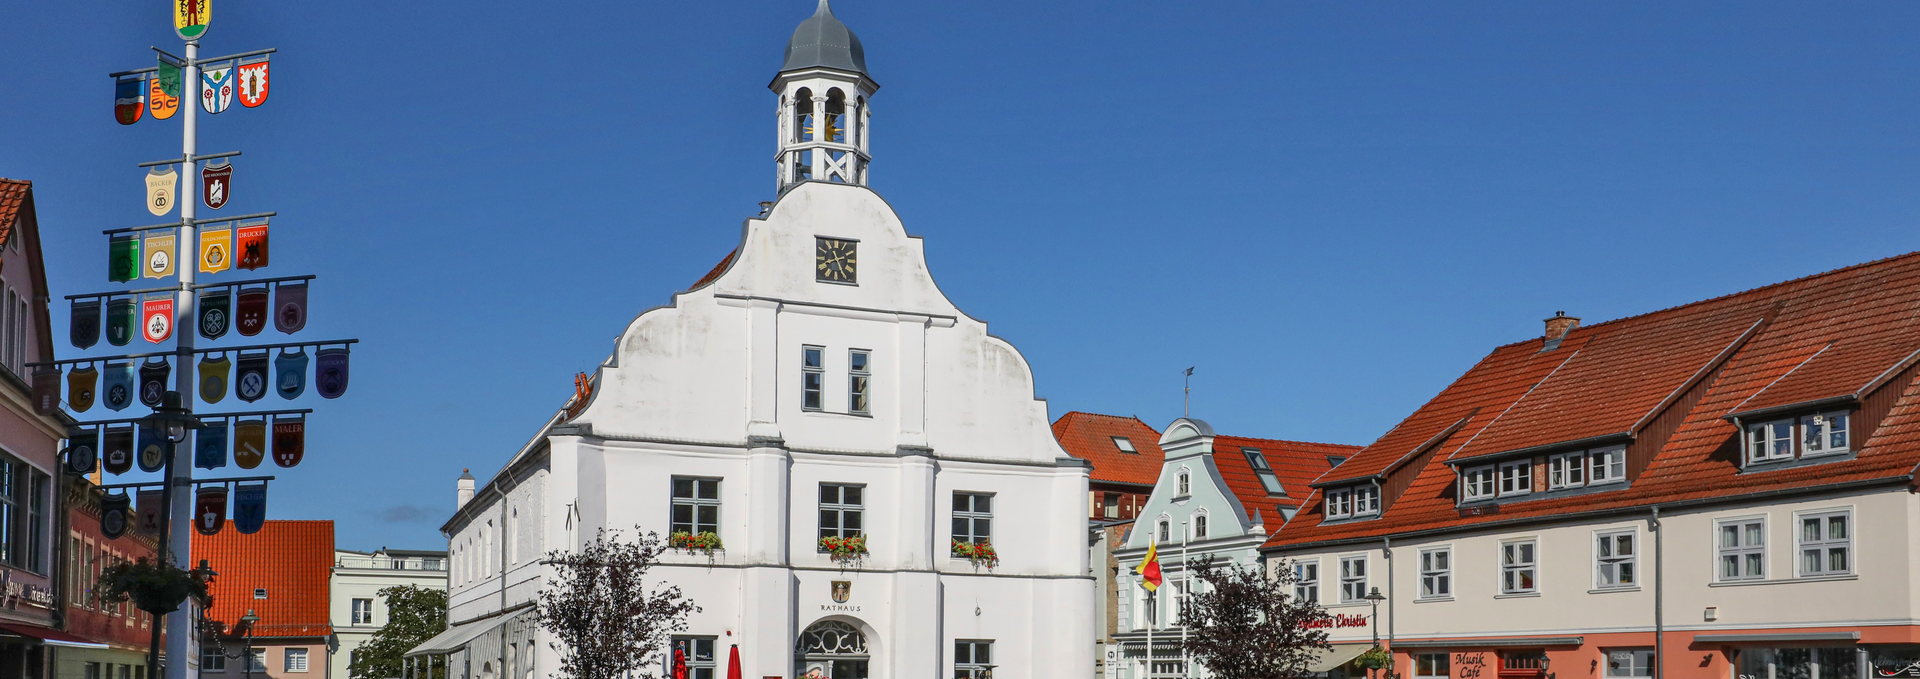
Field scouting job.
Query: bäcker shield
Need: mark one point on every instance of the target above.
(113, 515)
(84, 329)
(216, 183)
(81, 383)
(251, 314)
(153, 449)
(210, 509)
(249, 443)
(210, 445)
(160, 185)
(253, 80)
(83, 450)
(290, 307)
(249, 507)
(216, 312)
(290, 373)
(330, 372)
(116, 449)
(252, 382)
(153, 381)
(289, 440)
(213, 378)
(118, 387)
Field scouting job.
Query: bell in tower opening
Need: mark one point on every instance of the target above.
(824, 90)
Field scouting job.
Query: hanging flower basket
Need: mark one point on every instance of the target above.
(708, 542)
(980, 553)
(845, 550)
(1374, 660)
(155, 587)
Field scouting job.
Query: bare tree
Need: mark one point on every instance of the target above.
(598, 607)
(1246, 625)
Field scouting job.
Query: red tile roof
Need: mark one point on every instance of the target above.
(1834, 335)
(1089, 436)
(13, 195)
(716, 270)
(292, 560)
(1294, 463)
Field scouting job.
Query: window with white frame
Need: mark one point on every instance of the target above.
(362, 611)
(1770, 441)
(1436, 574)
(1166, 530)
(695, 505)
(1177, 605)
(1353, 579)
(1339, 503)
(1607, 465)
(1742, 544)
(1151, 607)
(1826, 543)
(973, 518)
(813, 376)
(257, 660)
(1200, 526)
(1518, 567)
(1366, 500)
(972, 659)
(1823, 434)
(1430, 666)
(1614, 560)
(842, 509)
(1306, 581)
(1632, 662)
(1477, 483)
(1568, 470)
(296, 660)
(1516, 478)
(698, 652)
(859, 380)
(1186, 483)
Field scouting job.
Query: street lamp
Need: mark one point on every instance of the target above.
(1375, 597)
(173, 419)
(246, 651)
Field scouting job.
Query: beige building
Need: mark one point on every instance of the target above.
(356, 606)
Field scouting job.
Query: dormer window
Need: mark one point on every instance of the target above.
(1353, 502)
(1516, 478)
(1124, 444)
(1567, 470)
(1335, 460)
(1366, 500)
(1823, 434)
(1770, 441)
(1818, 434)
(1340, 503)
(1477, 483)
(1261, 469)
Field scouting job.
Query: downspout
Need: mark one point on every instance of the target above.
(1659, 622)
(1387, 549)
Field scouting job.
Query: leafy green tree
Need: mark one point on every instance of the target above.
(414, 615)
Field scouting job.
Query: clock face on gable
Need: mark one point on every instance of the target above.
(834, 260)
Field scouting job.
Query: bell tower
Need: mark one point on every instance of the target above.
(824, 115)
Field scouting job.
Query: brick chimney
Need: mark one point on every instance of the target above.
(1558, 327)
(465, 489)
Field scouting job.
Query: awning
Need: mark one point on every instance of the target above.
(49, 636)
(453, 639)
(1496, 642)
(1340, 654)
(1776, 636)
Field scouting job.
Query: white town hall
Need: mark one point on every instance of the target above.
(816, 384)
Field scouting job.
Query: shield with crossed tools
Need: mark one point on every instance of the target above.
(118, 388)
(289, 440)
(82, 450)
(210, 509)
(84, 330)
(210, 445)
(330, 372)
(114, 520)
(249, 443)
(80, 385)
(216, 312)
(153, 381)
(252, 382)
(249, 507)
(116, 450)
(251, 316)
(213, 378)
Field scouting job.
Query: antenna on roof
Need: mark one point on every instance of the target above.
(1186, 408)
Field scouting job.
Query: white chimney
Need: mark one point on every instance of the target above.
(466, 489)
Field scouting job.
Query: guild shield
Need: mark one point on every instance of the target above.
(253, 81)
(290, 307)
(251, 312)
(249, 507)
(149, 512)
(252, 381)
(82, 450)
(330, 372)
(289, 440)
(118, 387)
(116, 450)
(190, 18)
(216, 312)
(113, 515)
(156, 319)
(216, 88)
(160, 190)
(129, 99)
(250, 244)
(216, 250)
(249, 443)
(46, 390)
(210, 445)
(84, 330)
(213, 378)
(120, 321)
(290, 374)
(210, 509)
(153, 381)
(152, 446)
(159, 256)
(123, 258)
(80, 385)
(163, 91)
(216, 183)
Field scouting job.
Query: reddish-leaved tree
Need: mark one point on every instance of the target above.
(1246, 625)
(606, 621)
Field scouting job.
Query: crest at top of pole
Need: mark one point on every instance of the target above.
(190, 18)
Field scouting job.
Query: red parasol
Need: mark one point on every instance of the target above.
(733, 662)
(679, 664)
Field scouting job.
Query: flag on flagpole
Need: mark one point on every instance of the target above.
(1149, 569)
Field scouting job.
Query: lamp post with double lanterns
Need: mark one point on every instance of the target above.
(244, 630)
(173, 421)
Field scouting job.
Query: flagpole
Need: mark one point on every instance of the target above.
(1153, 618)
(1186, 592)
(182, 655)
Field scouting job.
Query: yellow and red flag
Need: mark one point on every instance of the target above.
(1149, 569)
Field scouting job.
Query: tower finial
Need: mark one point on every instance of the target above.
(823, 8)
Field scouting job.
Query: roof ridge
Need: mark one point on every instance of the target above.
(1217, 437)
(1730, 295)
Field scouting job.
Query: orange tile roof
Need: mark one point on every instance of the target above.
(1828, 336)
(13, 195)
(716, 270)
(1294, 463)
(292, 560)
(1089, 436)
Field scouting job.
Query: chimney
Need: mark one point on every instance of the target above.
(1558, 327)
(466, 489)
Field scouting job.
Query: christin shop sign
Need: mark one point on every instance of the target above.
(1342, 620)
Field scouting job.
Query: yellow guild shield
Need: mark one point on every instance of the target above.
(190, 18)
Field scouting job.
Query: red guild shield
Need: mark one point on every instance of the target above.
(216, 183)
(210, 510)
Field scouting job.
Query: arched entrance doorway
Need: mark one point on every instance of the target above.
(831, 649)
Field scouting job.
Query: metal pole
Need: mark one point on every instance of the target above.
(1186, 592)
(1153, 618)
(1387, 549)
(181, 652)
(1659, 623)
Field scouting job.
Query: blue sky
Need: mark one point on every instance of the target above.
(1331, 209)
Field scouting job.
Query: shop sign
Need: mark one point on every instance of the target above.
(1469, 665)
(1341, 620)
(21, 592)
(1895, 666)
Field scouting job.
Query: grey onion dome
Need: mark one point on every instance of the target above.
(822, 41)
